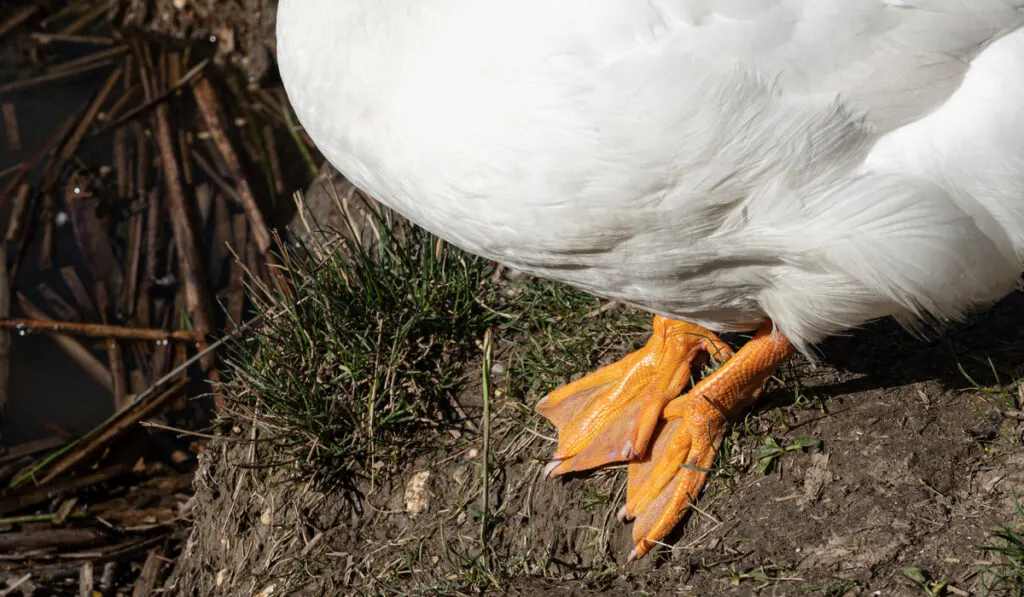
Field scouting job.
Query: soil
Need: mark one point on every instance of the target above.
(914, 471)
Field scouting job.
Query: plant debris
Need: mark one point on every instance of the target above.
(170, 178)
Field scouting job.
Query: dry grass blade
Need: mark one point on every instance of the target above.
(485, 474)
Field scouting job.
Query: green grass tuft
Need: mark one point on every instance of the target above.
(1005, 578)
(361, 368)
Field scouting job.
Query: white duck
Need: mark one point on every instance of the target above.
(799, 167)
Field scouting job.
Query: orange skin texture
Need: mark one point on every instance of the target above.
(635, 411)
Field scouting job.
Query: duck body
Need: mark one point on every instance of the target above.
(819, 163)
(796, 166)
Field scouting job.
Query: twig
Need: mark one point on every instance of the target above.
(57, 304)
(19, 214)
(12, 169)
(86, 581)
(197, 296)
(92, 236)
(132, 261)
(82, 300)
(160, 359)
(118, 372)
(206, 99)
(274, 158)
(71, 147)
(5, 336)
(99, 330)
(154, 253)
(38, 495)
(19, 18)
(93, 40)
(48, 222)
(76, 6)
(204, 203)
(15, 585)
(147, 578)
(51, 77)
(76, 351)
(11, 127)
(55, 138)
(19, 233)
(96, 57)
(86, 19)
(158, 100)
(221, 234)
(31, 518)
(31, 449)
(43, 538)
(95, 442)
(210, 171)
(110, 568)
(236, 272)
(122, 170)
(114, 111)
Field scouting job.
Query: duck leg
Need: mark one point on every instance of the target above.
(610, 415)
(662, 486)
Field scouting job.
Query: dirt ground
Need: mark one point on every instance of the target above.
(917, 466)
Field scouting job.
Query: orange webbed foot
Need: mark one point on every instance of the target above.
(663, 486)
(610, 415)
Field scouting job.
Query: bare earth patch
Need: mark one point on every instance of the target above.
(915, 468)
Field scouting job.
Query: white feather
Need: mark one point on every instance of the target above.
(819, 163)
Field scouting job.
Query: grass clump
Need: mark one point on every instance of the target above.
(359, 368)
(1005, 577)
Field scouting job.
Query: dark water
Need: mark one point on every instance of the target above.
(46, 387)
